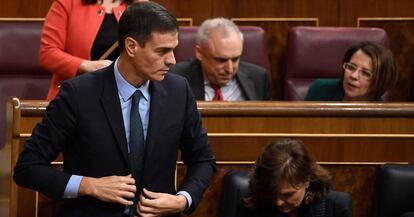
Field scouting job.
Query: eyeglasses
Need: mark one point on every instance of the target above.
(364, 73)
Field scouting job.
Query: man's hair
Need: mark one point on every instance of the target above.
(224, 26)
(286, 160)
(141, 19)
(385, 75)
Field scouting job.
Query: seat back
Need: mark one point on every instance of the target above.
(254, 45)
(317, 52)
(394, 194)
(235, 186)
(408, 214)
(20, 73)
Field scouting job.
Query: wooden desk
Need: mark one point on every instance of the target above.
(352, 140)
(333, 132)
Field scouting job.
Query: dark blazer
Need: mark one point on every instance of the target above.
(334, 204)
(254, 80)
(328, 90)
(325, 90)
(85, 123)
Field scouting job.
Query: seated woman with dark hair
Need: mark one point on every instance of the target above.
(368, 72)
(286, 181)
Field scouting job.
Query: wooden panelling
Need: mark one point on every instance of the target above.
(276, 35)
(24, 8)
(350, 10)
(340, 132)
(185, 21)
(401, 34)
(325, 10)
(366, 134)
(359, 181)
(198, 10)
(237, 148)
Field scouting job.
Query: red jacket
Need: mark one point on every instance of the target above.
(69, 31)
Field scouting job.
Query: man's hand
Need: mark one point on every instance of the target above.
(116, 189)
(160, 204)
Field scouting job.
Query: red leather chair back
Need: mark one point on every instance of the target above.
(20, 73)
(254, 46)
(317, 52)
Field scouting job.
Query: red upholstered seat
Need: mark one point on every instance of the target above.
(317, 52)
(186, 43)
(20, 73)
(254, 46)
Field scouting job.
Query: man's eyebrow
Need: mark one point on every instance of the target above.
(164, 49)
(226, 58)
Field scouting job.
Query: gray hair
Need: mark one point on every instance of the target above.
(223, 25)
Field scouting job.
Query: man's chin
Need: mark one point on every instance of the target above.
(158, 78)
(224, 82)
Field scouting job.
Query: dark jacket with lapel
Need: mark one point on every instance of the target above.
(334, 204)
(85, 123)
(325, 90)
(254, 81)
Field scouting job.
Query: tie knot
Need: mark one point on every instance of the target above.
(136, 96)
(218, 95)
(216, 87)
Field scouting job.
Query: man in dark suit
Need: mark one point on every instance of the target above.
(120, 129)
(218, 73)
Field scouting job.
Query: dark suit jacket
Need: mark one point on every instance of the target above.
(85, 123)
(328, 89)
(334, 204)
(325, 90)
(254, 80)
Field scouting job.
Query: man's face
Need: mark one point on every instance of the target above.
(153, 61)
(220, 57)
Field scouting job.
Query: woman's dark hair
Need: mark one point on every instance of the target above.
(385, 75)
(92, 2)
(141, 19)
(286, 160)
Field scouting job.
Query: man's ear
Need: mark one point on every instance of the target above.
(198, 52)
(131, 46)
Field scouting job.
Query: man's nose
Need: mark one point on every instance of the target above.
(170, 59)
(229, 66)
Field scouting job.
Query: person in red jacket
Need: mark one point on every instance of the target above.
(76, 34)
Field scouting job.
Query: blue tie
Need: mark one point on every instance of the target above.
(136, 146)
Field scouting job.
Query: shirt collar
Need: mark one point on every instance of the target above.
(231, 82)
(125, 89)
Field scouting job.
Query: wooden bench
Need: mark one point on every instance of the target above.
(352, 140)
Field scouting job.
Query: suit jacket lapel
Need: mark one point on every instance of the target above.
(157, 108)
(196, 80)
(110, 103)
(246, 85)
